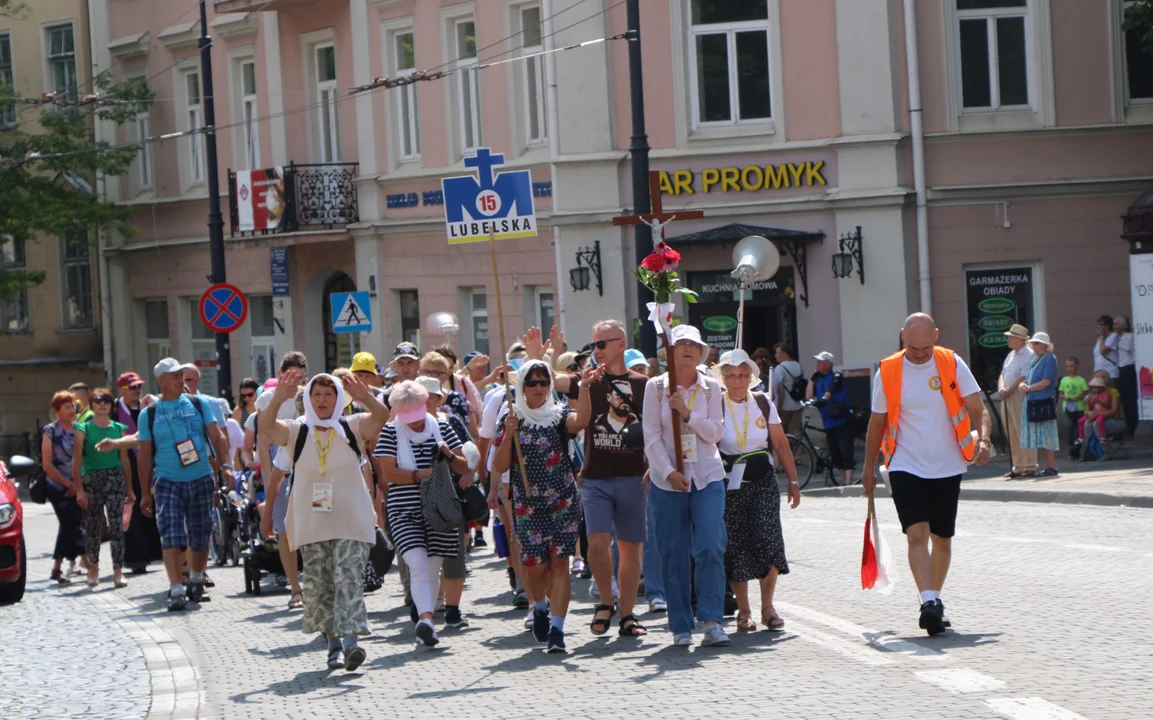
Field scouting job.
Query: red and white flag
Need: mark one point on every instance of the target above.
(877, 569)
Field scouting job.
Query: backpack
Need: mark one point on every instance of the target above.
(796, 386)
(199, 411)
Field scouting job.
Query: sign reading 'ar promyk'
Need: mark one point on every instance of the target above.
(477, 207)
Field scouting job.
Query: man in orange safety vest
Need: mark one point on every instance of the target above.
(926, 404)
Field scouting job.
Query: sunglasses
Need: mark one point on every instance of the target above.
(536, 383)
(135, 386)
(103, 400)
(248, 395)
(602, 344)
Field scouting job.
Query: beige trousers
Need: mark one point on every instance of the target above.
(1024, 461)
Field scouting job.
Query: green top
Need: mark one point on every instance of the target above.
(93, 434)
(1072, 386)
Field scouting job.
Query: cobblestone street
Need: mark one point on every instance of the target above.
(1044, 599)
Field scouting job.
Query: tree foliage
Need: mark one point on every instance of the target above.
(1139, 16)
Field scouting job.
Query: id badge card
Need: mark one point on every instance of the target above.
(736, 475)
(688, 446)
(186, 451)
(322, 497)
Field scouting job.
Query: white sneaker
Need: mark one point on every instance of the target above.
(578, 566)
(658, 605)
(616, 590)
(714, 635)
(594, 591)
(683, 639)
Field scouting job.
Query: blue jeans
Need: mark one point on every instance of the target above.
(651, 562)
(692, 526)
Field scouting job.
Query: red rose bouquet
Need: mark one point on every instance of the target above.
(658, 272)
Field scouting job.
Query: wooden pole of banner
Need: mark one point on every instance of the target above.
(674, 388)
(507, 388)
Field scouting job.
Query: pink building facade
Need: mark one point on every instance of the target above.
(789, 118)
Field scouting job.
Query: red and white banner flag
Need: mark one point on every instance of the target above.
(877, 569)
(260, 201)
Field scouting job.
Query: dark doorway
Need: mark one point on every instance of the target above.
(337, 346)
(770, 310)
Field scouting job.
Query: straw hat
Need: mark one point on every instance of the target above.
(1018, 331)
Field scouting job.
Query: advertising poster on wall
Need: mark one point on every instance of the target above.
(1141, 287)
(996, 299)
(260, 200)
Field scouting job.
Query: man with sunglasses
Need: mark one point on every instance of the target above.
(141, 539)
(612, 480)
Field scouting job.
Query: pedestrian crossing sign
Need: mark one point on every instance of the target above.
(350, 312)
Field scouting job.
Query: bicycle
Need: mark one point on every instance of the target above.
(807, 457)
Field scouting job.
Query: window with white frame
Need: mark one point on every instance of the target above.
(14, 310)
(263, 337)
(328, 136)
(1138, 67)
(532, 76)
(62, 60)
(76, 280)
(479, 316)
(994, 42)
(194, 120)
(7, 109)
(142, 127)
(156, 332)
(467, 83)
(543, 302)
(730, 62)
(404, 63)
(248, 114)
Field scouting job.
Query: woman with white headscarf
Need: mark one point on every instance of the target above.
(548, 517)
(408, 446)
(330, 516)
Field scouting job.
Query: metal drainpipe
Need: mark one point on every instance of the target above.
(918, 133)
(553, 115)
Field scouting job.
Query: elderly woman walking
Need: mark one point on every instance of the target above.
(752, 434)
(547, 507)
(101, 485)
(408, 446)
(330, 517)
(1039, 415)
(689, 507)
(56, 457)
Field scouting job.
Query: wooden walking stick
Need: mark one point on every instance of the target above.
(507, 387)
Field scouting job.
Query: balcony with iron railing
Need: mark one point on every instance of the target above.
(292, 198)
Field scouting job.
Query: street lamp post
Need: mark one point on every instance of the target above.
(639, 149)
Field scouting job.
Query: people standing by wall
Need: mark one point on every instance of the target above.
(1013, 369)
(56, 448)
(1105, 350)
(1127, 373)
(1039, 416)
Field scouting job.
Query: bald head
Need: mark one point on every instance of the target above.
(919, 335)
(192, 378)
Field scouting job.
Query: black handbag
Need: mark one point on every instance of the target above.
(38, 486)
(382, 554)
(475, 504)
(1039, 411)
(439, 503)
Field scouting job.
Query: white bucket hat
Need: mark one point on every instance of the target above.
(688, 332)
(733, 358)
(432, 385)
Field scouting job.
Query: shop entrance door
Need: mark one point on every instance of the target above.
(770, 310)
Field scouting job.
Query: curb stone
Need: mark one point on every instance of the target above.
(1063, 497)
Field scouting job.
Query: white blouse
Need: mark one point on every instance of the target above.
(735, 423)
(704, 422)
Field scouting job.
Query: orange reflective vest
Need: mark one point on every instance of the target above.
(947, 370)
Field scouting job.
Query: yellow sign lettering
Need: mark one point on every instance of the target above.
(666, 186)
(813, 173)
(752, 178)
(796, 170)
(683, 182)
(729, 179)
(776, 177)
(709, 177)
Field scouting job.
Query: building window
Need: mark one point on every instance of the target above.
(76, 280)
(545, 308)
(468, 84)
(14, 310)
(404, 61)
(203, 350)
(7, 109)
(479, 313)
(326, 94)
(730, 61)
(410, 317)
(532, 77)
(263, 337)
(248, 114)
(1138, 67)
(143, 161)
(62, 60)
(156, 333)
(195, 118)
(994, 41)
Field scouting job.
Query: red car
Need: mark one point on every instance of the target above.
(13, 555)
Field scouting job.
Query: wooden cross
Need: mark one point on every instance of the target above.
(658, 218)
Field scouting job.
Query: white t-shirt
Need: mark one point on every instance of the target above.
(926, 443)
(783, 378)
(493, 402)
(1109, 363)
(758, 429)
(1125, 350)
(235, 437)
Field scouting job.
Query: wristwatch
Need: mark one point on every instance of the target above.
(226, 466)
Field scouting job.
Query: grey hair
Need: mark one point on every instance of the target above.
(609, 325)
(407, 395)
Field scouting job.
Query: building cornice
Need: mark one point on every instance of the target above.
(227, 25)
(1041, 189)
(129, 46)
(179, 36)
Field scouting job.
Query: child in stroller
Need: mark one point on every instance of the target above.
(269, 550)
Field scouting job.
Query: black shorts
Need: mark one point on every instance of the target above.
(841, 447)
(932, 500)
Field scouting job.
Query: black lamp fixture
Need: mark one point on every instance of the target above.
(850, 246)
(580, 275)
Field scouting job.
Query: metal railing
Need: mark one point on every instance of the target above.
(316, 195)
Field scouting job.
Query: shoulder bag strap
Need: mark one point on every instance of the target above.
(763, 404)
(298, 448)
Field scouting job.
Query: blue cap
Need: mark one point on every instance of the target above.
(635, 357)
(469, 358)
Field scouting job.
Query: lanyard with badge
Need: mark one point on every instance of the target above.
(185, 449)
(688, 437)
(322, 491)
(738, 471)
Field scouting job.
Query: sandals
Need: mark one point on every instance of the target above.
(745, 623)
(296, 601)
(774, 622)
(631, 628)
(600, 626)
(119, 583)
(60, 577)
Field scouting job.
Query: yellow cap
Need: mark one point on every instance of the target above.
(363, 362)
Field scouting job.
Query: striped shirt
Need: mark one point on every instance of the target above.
(405, 518)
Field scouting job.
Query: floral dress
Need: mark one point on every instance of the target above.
(547, 519)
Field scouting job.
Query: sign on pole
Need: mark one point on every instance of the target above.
(1141, 288)
(350, 312)
(260, 199)
(223, 308)
(477, 207)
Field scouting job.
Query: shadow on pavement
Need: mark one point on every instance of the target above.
(284, 652)
(304, 683)
(675, 659)
(438, 694)
(952, 640)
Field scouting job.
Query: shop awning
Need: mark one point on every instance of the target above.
(794, 243)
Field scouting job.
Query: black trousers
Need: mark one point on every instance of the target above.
(1127, 386)
(70, 534)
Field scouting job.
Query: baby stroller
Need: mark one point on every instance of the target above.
(262, 556)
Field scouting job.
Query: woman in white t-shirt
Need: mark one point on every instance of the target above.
(756, 547)
(1105, 350)
(1127, 373)
(330, 518)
